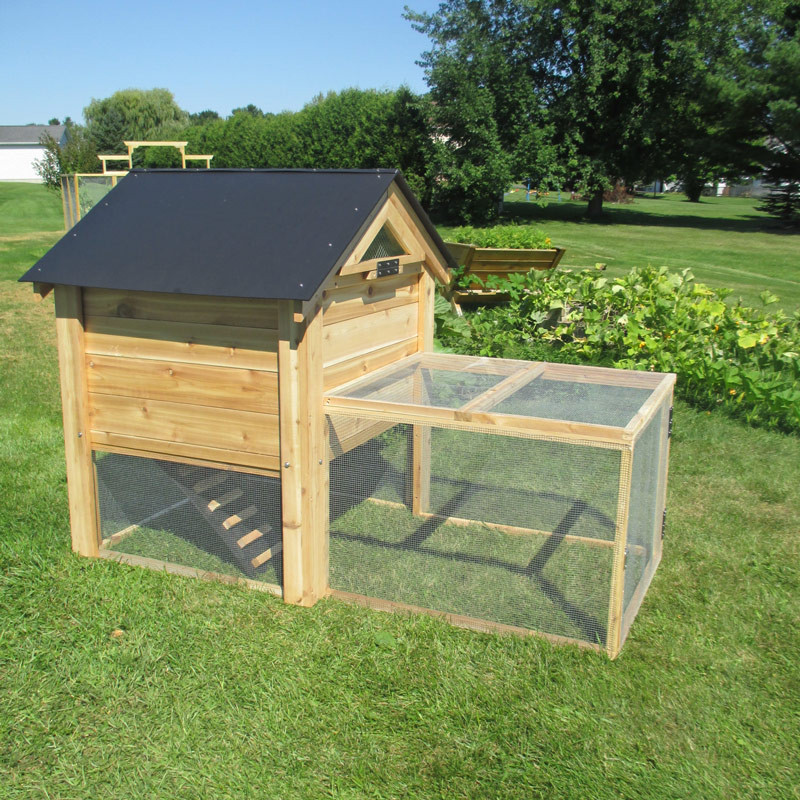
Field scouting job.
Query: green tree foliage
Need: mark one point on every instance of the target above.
(777, 82)
(133, 114)
(77, 155)
(201, 117)
(250, 108)
(352, 129)
(592, 94)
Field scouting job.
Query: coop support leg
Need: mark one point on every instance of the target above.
(420, 460)
(617, 595)
(304, 455)
(81, 486)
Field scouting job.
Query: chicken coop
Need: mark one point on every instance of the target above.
(250, 394)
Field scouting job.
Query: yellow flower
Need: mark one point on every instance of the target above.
(732, 392)
(641, 344)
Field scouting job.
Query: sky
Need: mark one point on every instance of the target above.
(55, 57)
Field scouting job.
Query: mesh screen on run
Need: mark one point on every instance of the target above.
(516, 531)
(213, 520)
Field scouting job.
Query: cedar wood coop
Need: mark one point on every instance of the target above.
(249, 393)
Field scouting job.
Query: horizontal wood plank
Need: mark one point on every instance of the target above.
(362, 364)
(457, 620)
(234, 311)
(198, 384)
(198, 455)
(189, 572)
(531, 426)
(220, 345)
(343, 281)
(342, 340)
(493, 254)
(183, 423)
(373, 263)
(370, 296)
(634, 379)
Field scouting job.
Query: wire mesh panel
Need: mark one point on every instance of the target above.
(81, 193)
(645, 516)
(212, 520)
(512, 530)
(500, 492)
(600, 404)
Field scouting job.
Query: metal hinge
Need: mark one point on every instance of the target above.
(389, 267)
(664, 523)
(669, 429)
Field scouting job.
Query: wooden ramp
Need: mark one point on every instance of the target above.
(234, 511)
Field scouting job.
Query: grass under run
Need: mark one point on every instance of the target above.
(120, 682)
(725, 241)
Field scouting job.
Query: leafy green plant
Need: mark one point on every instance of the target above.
(745, 360)
(512, 236)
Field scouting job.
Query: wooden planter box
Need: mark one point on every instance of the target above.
(485, 262)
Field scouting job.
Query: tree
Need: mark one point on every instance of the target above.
(77, 155)
(54, 121)
(201, 117)
(132, 114)
(590, 93)
(252, 110)
(777, 82)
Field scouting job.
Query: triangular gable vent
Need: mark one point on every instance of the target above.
(384, 245)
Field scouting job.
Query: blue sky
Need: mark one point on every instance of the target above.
(55, 57)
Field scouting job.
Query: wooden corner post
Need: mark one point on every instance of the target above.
(420, 466)
(81, 485)
(615, 609)
(304, 455)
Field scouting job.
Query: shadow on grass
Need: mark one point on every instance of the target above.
(590, 627)
(631, 215)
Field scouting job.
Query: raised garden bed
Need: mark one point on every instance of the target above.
(481, 263)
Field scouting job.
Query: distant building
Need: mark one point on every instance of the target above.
(20, 146)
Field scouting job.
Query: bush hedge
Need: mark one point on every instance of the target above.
(726, 355)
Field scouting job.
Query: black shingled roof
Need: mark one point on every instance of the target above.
(228, 233)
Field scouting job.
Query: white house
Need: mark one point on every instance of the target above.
(20, 146)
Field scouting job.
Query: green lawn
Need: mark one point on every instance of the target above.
(120, 682)
(726, 242)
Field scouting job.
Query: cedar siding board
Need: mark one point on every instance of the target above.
(182, 376)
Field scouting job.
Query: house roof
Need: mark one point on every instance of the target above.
(227, 233)
(29, 134)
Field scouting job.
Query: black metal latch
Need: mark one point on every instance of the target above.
(669, 429)
(664, 523)
(389, 267)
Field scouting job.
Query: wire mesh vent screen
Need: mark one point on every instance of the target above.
(213, 520)
(510, 530)
(384, 245)
(644, 517)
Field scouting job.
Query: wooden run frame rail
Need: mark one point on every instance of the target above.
(458, 620)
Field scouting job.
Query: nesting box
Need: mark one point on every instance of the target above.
(249, 393)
